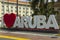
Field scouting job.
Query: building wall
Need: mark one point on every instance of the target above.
(23, 8)
(57, 8)
(0, 9)
(11, 7)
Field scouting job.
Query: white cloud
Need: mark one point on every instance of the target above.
(54, 0)
(27, 0)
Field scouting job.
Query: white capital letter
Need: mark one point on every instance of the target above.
(52, 22)
(41, 21)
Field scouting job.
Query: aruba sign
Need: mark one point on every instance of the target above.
(38, 21)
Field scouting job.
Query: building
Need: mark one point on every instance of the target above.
(9, 6)
(57, 8)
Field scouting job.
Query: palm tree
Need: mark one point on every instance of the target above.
(51, 8)
(41, 8)
(34, 6)
(38, 7)
(46, 8)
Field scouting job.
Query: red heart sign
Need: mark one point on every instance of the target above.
(9, 19)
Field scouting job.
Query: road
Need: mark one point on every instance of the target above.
(8, 35)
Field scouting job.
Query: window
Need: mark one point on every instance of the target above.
(19, 7)
(11, 10)
(26, 12)
(20, 11)
(31, 9)
(6, 6)
(7, 10)
(23, 8)
(26, 8)
(2, 13)
(23, 11)
(2, 5)
(31, 12)
(11, 6)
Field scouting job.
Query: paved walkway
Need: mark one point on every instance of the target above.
(27, 36)
(8, 37)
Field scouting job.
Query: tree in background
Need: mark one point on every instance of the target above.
(51, 8)
(40, 7)
(34, 4)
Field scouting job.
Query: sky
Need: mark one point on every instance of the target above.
(26, 0)
(50, 0)
(23, 0)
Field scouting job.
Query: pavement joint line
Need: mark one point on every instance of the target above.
(15, 38)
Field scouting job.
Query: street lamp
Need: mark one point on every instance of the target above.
(8, 7)
(17, 7)
(3, 6)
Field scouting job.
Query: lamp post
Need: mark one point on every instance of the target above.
(8, 7)
(26, 8)
(3, 6)
(17, 7)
